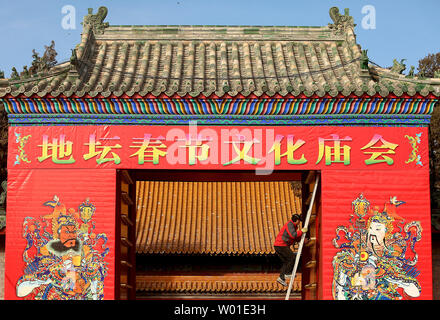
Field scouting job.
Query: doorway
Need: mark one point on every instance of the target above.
(205, 234)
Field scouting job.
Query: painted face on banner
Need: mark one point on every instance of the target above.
(385, 269)
(68, 236)
(376, 233)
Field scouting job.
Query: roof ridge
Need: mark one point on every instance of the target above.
(213, 25)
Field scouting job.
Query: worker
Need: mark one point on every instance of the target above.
(288, 235)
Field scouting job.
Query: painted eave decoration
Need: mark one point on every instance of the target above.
(187, 70)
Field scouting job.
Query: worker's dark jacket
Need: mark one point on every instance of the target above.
(287, 235)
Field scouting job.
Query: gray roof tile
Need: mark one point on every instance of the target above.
(232, 60)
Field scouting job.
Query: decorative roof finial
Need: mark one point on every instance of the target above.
(96, 21)
(411, 72)
(364, 66)
(341, 22)
(25, 73)
(398, 67)
(14, 74)
(74, 58)
(364, 60)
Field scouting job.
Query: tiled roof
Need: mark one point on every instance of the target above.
(212, 217)
(209, 61)
(231, 283)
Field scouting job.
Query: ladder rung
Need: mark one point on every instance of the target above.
(311, 242)
(126, 198)
(310, 286)
(126, 177)
(126, 242)
(310, 177)
(310, 264)
(127, 264)
(126, 286)
(126, 220)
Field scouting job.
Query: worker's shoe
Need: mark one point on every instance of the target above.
(282, 282)
(288, 275)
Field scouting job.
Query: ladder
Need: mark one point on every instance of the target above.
(300, 246)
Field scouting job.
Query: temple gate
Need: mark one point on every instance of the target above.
(241, 118)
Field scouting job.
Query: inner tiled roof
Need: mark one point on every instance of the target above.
(212, 217)
(262, 283)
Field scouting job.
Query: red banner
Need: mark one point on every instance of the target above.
(45, 206)
(241, 148)
(375, 241)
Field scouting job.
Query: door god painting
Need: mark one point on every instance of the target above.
(64, 256)
(376, 258)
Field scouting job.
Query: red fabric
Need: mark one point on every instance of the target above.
(287, 236)
(132, 147)
(29, 189)
(340, 188)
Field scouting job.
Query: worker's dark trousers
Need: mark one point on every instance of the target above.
(288, 259)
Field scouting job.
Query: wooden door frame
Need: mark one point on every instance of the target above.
(195, 175)
(121, 176)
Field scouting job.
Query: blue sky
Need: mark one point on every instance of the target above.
(404, 29)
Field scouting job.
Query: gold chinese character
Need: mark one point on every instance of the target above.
(193, 148)
(96, 149)
(379, 153)
(242, 154)
(291, 148)
(149, 148)
(335, 153)
(60, 151)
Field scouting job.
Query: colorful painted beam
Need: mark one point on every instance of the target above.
(296, 106)
(347, 111)
(239, 120)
